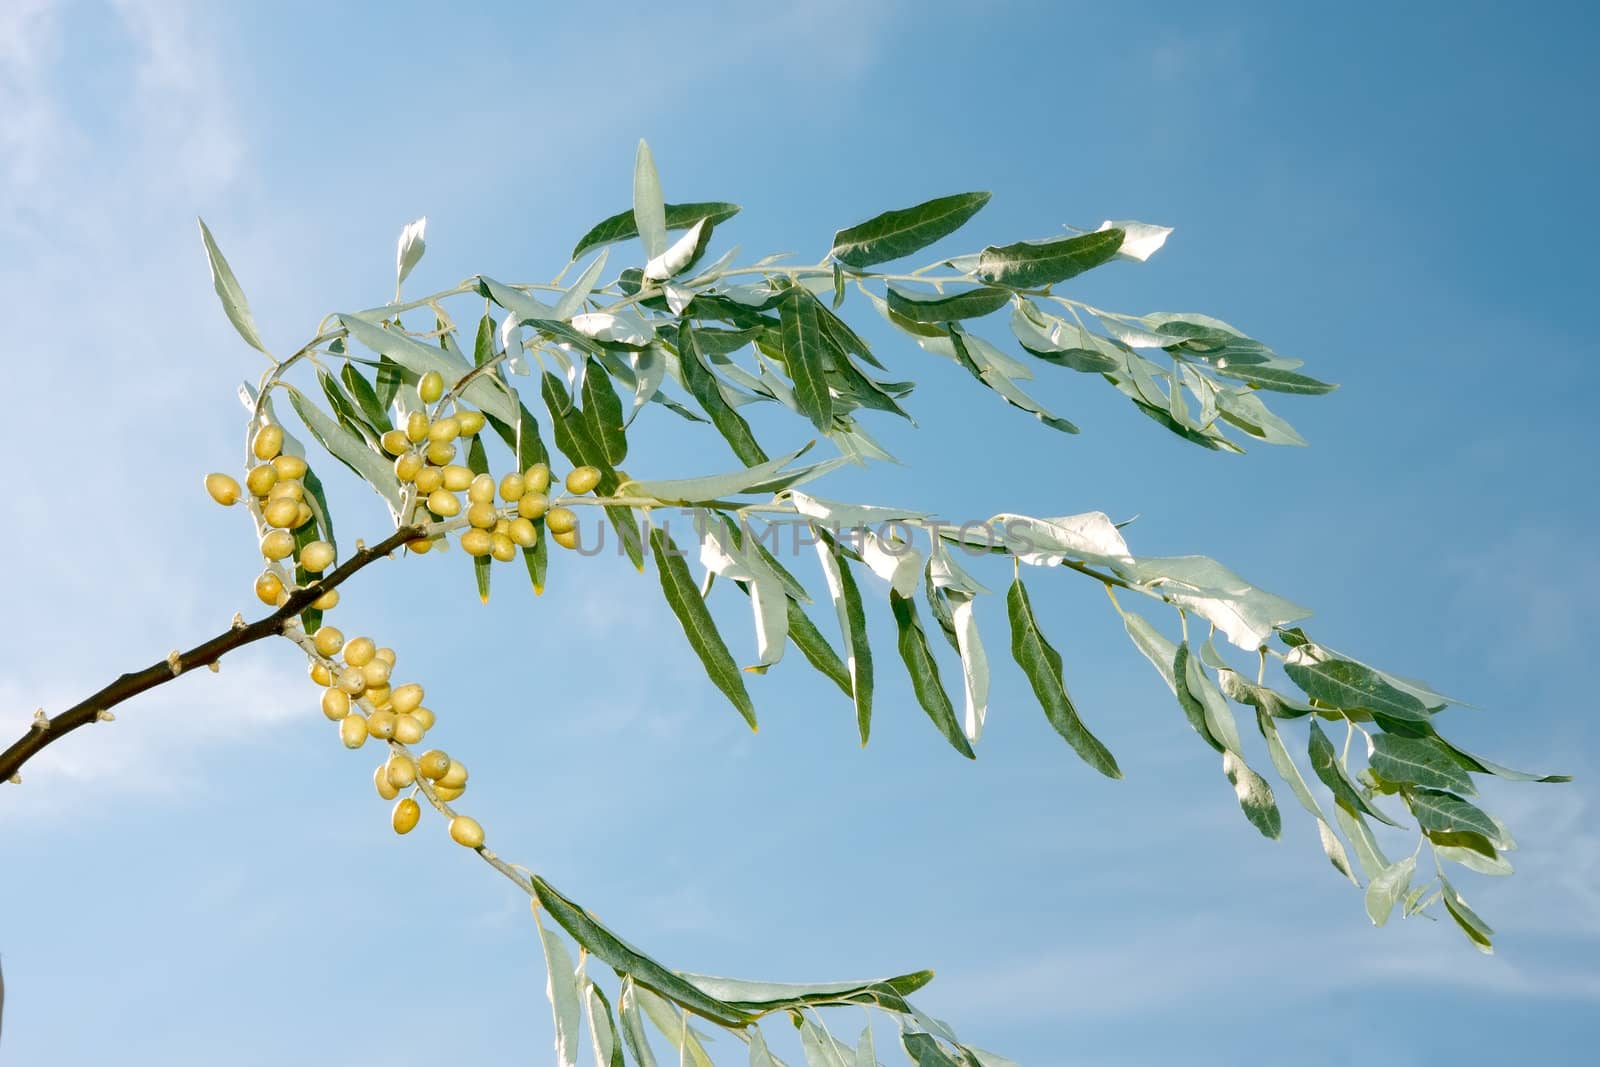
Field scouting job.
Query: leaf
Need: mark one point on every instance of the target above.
(1219, 720)
(561, 988)
(721, 555)
(621, 226)
(580, 446)
(1193, 709)
(605, 945)
(1477, 931)
(478, 463)
(1275, 379)
(702, 385)
(1442, 812)
(1325, 765)
(1155, 647)
(1140, 241)
(674, 1026)
(926, 1051)
(759, 1055)
(1333, 848)
(1484, 766)
(804, 633)
(924, 672)
(234, 304)
(603, 1027)
(1418, 760)
(901, 232)
(1289, 771)
(410, 249)
(1244, 613)
(649, 213)
(977, 355)
(714, 486)
(602, 411)
(847, 605)
(572, 300)
(633, 1034)
(947, 307)
(1388, 887)
(1368, 853)
(803, 348)
(1042, 664)
(683, 596)
(1034, 264)
(349, 449)
(484, 392)
(1255, 795)
(526, 444)
(1356, 687)
(684, 253)
(819, 1048)
(365, 397)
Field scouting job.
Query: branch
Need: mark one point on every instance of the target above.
(45, 729)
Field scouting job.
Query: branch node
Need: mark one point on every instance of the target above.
(15, 779)
(214, 666)
(41, 721)
(104, 716)
(238, 621)
(175, 662)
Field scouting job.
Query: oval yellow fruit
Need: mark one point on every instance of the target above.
(353, 730)
(267, 443)
(407, 729)
(380, 724)
(444, 503)
(536, 479)
(277, 544)
(223, 489)
(406, 698)
(260, 480)
(416, 426)
(476, 542)
(429, 479)
(359, 651)
(433, 765)
(457, 477)
(431, 387)
(406, 814)
(329, 639)
(560, 520)
(465, 830)
(380, 779)
(471, 422)
(522, 533)
(289, 467)
(316, 556)
(583, 479)
(512, 486)
(401, 770)
(269, 587)
(281, 513)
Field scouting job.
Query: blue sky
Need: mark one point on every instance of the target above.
(1399, 197)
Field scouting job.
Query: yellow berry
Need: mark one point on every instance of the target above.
(380, 724)
(512, 486)
(352, 681)
(433, 765)
(290, 467)
(223, 489)
(281, 512)
(536, 478)
(431, 387)
(401, 770)
(443, 503)
(406, 698)
(320, 673)
(457, 477)
(316, 556)
(395, 442)
(267, 443)
(335, 703)
(285, 488)
(502, 526)
(561, 520)
(532, 504)
(406, 814)
(502, 548)
(359, 651)
(260, 480)
(386, 654)
(583, 479)
(328, 640)
(302, 514)
(327, 601)
(416, 426)
(464, 830)
(428, 479)
(445, 430)
(477, 542)
(268, 588)
(353, 730)
(482, 515)
(408, 466)
(481, 490)
(447, 794)
(408, 730)
(378, 694)
(471, 422)
(376, 672)
(522, 533)
(566, 540)
(380, 779)
(455, 777)
(441, 452)
(277, 544)
(420, 545)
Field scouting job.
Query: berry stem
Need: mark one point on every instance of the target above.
(89, 710)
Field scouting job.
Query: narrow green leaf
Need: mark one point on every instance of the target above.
(633, 1035)
(804, 633)
(749, 479)
(649, 212)
(924, 672)
(759, 1055)
(803, 348)
(1042, 664)
(906, 230)
(702, 385)
(348, 449)
(526, 444)
(1325, 765)
(486, 392)
(1368, 853)
(1418, 760)
(819, 1048)
(1033, 264)
(1275, 379)
(561, 988)
(234, 304)
(674, 1026)
(846, 596)
(1354, 686)
(1484, 766)
(1255, 795)
(683, 596)
(1193, 709)
(1220, 723)
(947, 307)
(765, 997)
(1289, 771)
(577, 443)
(1477, 931)
(602, 1028)
(478, 463)
(1388, 887)
(926, 1051)
(1443, 812)
(483, 341)
(603, 412)
(365, 397)
(621, 226)
(626, 959)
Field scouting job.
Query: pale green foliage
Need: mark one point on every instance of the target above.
(708, 345)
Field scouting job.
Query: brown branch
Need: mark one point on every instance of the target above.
(46, 730)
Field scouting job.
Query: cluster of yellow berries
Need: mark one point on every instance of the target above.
(359, 696)
(425, 453)
(275, 484)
